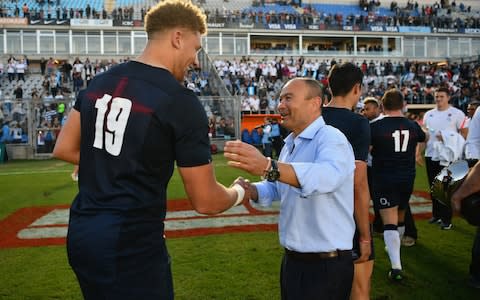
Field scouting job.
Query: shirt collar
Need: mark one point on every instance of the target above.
(307, 133)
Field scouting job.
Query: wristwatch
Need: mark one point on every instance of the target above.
(272, 174)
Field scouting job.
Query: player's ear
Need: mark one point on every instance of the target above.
(357, 89)
(176, 38)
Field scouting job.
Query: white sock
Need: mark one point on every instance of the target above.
(392, 241)
(401, 231)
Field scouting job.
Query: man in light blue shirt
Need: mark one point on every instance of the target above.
(313, 179)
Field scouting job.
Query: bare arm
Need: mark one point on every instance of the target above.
(464, 132)
(419, 154)
(205, 193)
(361, 208)
(67, 147)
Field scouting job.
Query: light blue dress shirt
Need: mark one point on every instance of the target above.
(318, 216)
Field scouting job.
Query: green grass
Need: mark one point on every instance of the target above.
(228, 266)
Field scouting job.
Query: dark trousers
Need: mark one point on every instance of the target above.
(439, 210)
(329, 278)
(475, 263)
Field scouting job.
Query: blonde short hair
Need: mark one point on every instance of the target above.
(175, 13)
(371, 100)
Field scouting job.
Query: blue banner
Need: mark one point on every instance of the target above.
(414, 29)
(470, 30)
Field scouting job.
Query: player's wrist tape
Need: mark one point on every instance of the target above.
(240, 193)
(365, 241)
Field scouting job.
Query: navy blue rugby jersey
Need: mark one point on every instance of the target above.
(136, 122)
(354, 126)
(394, 141)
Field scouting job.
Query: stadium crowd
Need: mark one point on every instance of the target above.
(52, 92)
(439, 15)
(56, 10)
(49, 95)
(436, 16)
(258, 81)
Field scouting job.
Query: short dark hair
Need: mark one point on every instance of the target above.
(342, 78)
(315, 88)
(444, 90)
(392, 100)
(475, 103)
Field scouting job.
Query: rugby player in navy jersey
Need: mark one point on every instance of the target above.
(345, 83)
(127, 131)
(394, 140)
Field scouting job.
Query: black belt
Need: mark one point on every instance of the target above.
(313, 256)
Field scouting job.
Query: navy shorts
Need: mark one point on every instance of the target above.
(119, 260)
(387, 195)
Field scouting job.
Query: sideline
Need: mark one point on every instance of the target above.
(47, 225)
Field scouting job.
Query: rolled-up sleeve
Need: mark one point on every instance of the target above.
(331, 168)
(267, 193)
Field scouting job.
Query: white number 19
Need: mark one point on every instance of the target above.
(114, 129)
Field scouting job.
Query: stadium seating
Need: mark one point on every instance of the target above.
(246, 137)
(221, 5)
(33, 80)
(98, 5)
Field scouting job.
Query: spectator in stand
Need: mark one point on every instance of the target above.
(246, 106)
(266, 138)
(26, 11)
(5, 137)
(43, 65)
(77, 82)
(21, 67)
(18, 92)
(67, 71)
(50, 66)
(254, 103)
(11, 69)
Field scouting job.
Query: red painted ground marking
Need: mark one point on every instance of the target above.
(23, 219)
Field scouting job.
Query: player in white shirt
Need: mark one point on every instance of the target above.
(472, 145)
(442, 117)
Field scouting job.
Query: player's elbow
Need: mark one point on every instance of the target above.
(210, 203)
(58, 153)
(205, 206)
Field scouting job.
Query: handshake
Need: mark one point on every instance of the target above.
(248, 158)
(245, 190)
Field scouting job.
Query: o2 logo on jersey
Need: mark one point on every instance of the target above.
(109, 133)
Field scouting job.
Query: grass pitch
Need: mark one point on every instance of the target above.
(227, 266)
